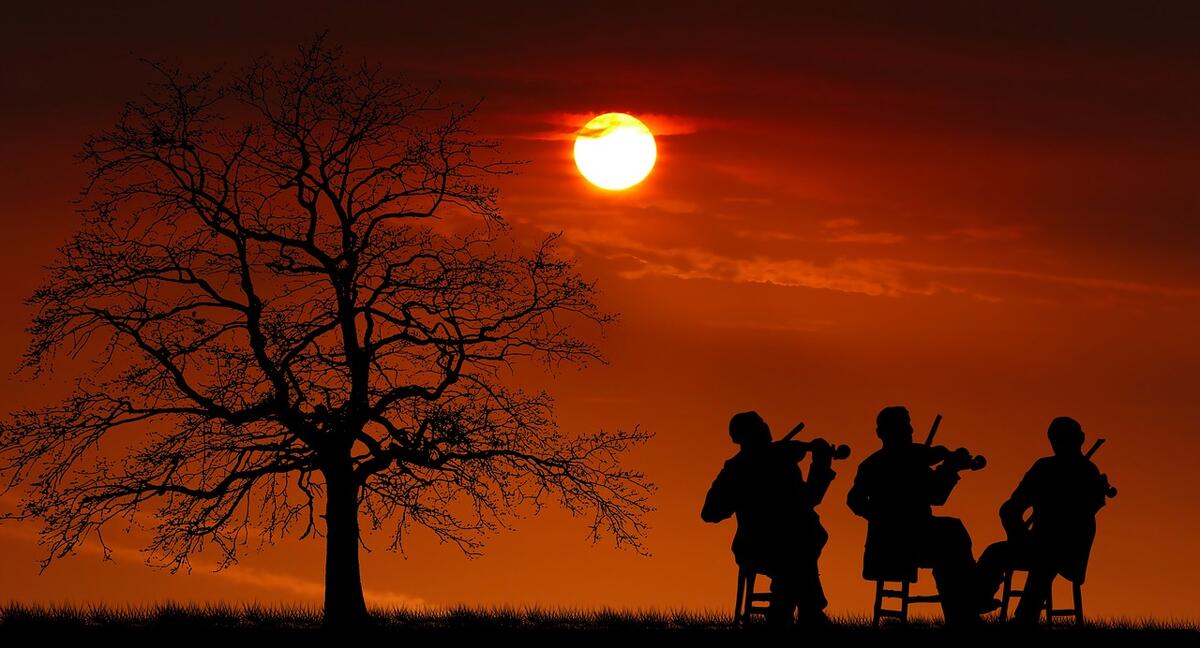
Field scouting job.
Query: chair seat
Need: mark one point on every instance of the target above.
(1023, 565)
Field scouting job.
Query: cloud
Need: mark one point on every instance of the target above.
(845, 230)
(310, 588)
(840, 223)
(985, 233)
(808, 326)
(564, 126)
(253, 576)
(1092, 283)
(863, 276)
(768, 235)
(994, 233)
(874, 238)
(874, 277)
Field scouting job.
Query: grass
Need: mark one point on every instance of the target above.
(237, 622)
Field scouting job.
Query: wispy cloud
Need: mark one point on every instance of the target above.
(874, 238)
(252, 576)
(1094, 283)
(806, 326)
(687, 243)
(864, 275)
(564, 126)
(985, 233)
(846, 230)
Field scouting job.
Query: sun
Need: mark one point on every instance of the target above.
(615, 151)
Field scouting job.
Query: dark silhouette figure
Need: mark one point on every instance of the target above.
(895, 489)
(1065, 491)
(778, 531)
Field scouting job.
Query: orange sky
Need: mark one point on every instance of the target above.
(990, 215)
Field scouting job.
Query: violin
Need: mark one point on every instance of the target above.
(1109, 491)
(839, 451)
(957, 459)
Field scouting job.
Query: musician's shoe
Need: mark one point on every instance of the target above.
(813, 621)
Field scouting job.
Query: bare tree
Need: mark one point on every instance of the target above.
(284, 308)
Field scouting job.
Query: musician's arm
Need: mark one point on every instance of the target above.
(820, 476)
(1012, 511)
(719, 502)
(858, 499)
(941, 482)
(1098, 492)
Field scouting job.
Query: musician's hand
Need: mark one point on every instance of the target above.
(958, 460)
(1016, 531)
(822, 452)
(1109, 491)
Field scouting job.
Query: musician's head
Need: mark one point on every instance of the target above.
(748, 429)
(893, 425)
(1066, 436)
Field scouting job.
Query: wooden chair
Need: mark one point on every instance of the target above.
(905, 596)
(1051, 613)
(749, 602)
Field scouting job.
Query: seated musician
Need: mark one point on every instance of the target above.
(778, 530)
(895, 489)
(1064, 491)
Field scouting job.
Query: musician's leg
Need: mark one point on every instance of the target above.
(949, 548)
(810, 601)
(784, 585)
(1036, 590)
(995, 561)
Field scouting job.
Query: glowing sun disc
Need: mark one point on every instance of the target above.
(615, 151)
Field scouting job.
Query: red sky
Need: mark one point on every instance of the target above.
(990, 213)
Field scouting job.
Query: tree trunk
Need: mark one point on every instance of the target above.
(344, 604)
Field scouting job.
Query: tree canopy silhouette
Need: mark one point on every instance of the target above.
(297, 288)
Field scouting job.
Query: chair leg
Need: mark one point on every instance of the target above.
(1006, 597)
(741, 592)
(1078, 604)
(751, 583)
(1050, 605)
(878, 603)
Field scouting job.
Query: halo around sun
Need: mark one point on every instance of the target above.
(615, 151)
